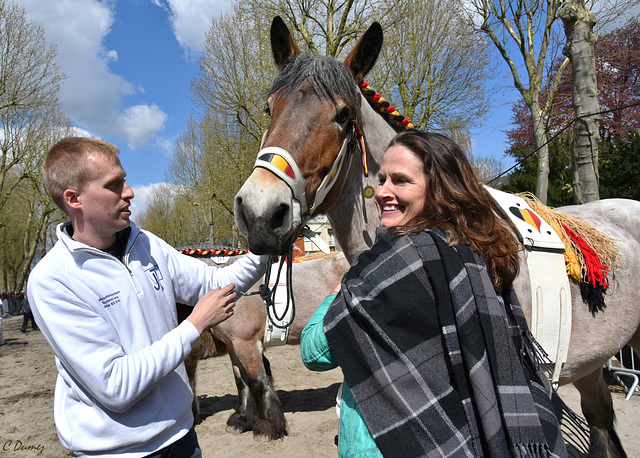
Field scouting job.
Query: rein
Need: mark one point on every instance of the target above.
(268, 294)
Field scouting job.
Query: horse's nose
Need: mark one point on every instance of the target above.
(268, 225)
(274, 218)
(241, 221)
(279, 216)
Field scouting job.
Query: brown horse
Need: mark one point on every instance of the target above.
(312, 103)
(241, 336)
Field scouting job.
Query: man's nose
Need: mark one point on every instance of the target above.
(127, 192)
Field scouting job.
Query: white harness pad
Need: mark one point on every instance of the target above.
(550, 292)
(275, 336)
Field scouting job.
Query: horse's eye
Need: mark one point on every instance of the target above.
(343, 116)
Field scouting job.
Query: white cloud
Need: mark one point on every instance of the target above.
(139, 202)
(191, 20)
(92, 95)
(138, 123)
(165, 146)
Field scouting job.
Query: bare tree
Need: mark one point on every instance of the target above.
(526, 30)
(433, 68)
(527, 35)
(31, 121)
(581, 41)
(172, 217)
(328, 28)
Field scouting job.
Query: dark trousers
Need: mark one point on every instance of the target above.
(28, 316)
(187, 447)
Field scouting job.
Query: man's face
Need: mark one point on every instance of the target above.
(105, 200)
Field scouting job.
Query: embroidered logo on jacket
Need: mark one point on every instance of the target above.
(110, 299)
(156, 276)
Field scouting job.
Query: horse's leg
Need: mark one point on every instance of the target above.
(191, 365)
(597, 407)
(245, 414)
(205, 347)
(272, 422)
(258, 405)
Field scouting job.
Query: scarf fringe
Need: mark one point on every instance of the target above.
(575, 429)
(532, 451)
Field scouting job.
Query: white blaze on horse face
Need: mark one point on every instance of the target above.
(402, 190)
(266, 212)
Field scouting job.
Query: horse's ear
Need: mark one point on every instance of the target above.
(283, 47)
(362, 58)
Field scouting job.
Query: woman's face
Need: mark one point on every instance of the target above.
(401, 193)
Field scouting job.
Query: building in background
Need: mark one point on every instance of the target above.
(321, 225)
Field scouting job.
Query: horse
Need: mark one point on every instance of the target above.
(317, 114)
(258, 408)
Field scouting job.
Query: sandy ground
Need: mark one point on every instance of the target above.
(27, 378)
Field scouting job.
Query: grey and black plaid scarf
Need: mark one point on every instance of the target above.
(438, 364)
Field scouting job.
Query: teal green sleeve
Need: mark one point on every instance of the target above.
(314, 346)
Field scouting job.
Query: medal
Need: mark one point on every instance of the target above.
(368, 192)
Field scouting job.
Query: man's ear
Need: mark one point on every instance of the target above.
(70, 197)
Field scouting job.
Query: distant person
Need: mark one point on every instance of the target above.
(14, 304)
(105, 299)
(27, 315)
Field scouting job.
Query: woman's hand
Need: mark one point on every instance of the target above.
(213, 308)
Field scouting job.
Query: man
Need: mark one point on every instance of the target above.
(27, 315)
(104, 297)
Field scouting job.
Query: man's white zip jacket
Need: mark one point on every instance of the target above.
(122, 389)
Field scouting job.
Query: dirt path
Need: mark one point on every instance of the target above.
(27, 378)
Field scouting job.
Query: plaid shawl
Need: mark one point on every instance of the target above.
(438, 364)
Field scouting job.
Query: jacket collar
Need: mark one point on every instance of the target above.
(64, 231)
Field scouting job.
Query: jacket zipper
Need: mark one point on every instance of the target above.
(125, 261)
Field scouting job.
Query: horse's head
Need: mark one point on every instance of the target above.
(314, 104)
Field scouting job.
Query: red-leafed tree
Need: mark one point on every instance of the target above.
(618, 70)
(618, 65)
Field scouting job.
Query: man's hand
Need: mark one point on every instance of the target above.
(213, 308)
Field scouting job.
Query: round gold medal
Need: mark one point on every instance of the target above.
(369, 192)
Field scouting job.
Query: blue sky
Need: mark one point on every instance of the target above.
(129, 65)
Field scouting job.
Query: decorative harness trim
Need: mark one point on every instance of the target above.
(395, 119)
(280, 162)
(208, 252)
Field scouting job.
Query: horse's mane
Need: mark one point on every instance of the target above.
(327, 76)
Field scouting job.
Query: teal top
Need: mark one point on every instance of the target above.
(354, 438)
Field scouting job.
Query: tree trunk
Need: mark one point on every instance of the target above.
(540, 137)
(578, 25)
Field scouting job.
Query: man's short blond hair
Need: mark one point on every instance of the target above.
(65, 165)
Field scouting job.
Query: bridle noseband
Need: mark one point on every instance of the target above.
(280, 162)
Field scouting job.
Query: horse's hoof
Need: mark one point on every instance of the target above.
(233, 430)
(238, 423)
(262, 428)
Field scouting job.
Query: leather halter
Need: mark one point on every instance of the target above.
(280, 162)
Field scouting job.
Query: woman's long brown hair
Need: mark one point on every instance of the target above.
(458, 204)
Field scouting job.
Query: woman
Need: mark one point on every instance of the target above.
(432, 342)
